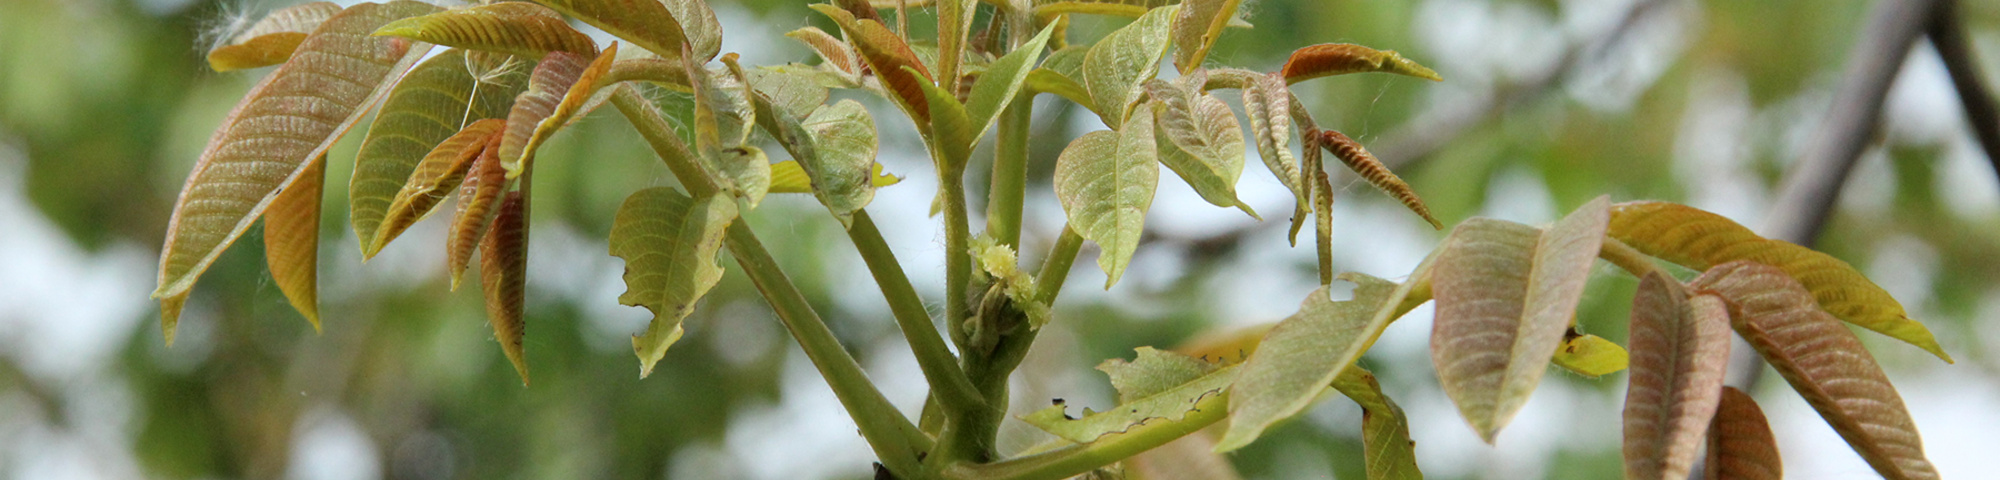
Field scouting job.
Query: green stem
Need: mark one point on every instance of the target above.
(1055, 268)
(1010, 172)
(895, 440)
(1079, 459)
(948, 383)
(1628, 258)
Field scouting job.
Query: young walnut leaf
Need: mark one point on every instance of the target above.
(1001, 80)
(515, 28)
(792, 92)
(271, 40)
(1044, 80)
(1343, 58)
(503, 277)
(844, 173)
(1680, 349)
(1267, 102)
(743, 171)
(951, 131)
(699, 25)
(890, 58)
(435, 178)
(291, 240)
(1505, 295)
(1590, 356)
(669, 242)
(1198, 138)
(1385, 431)
(1358, 159)
(292, 117)
(479, 197)
(1116, 66)
(1699, 240)
(1169, 404)
(1298, 359)
(647, 23)
(434, 102)
(1824, 362)
(1152, 372)
(1105, 181)
(1197, 27)
(1740, 446)
(830, 49)
(788, 177)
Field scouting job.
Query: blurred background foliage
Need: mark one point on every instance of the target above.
(105, 105)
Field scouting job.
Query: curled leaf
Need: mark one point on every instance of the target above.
(291, 240)
(742, 171)
(503, 272)
(1740, 445)
(844, 174)
(1197, 27)
(557, 91)
(669, 242)
(436, 177)
(1106, 181)
(1343, 58)
(1385, 431)
(1358, 159)
(1114, 68)
(1267, 103)
(440, 97)
(272, 39)
(1680, 350)
(830, 49)
(1199, 139)
(890, 58)
(516, 28)
(1505, 295)
(479, 196)
(1824, 362)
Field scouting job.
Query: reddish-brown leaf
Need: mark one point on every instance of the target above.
(1358, 159)
(560, 87)
(647, 23)
(888, 56)
(291, 240)
(436, 176)
(479, 197)
(517, 28)
(829, 48)
(1824, 362)
(1679, 350)
(1740, 446)
(503, 270)
(271, 40)
(1342, 58)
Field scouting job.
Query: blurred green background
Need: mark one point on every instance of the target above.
(105, 106)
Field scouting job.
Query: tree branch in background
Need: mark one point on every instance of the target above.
(1982, 113)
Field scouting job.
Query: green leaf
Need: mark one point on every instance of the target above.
(844, 174)
(1002, 80)
(1105, 181)
(1267, 103)
(1740, 445)
(1170, 405)
(1591, 356)
(503, 278)
(1505, 294)
(794, 92)
(669, 243)
(557, 91)
(479, 197)
(1680, 349)
(647, 23)
(723, 110)
(291, 240)
(292, 117)
(271, 40)
(890, 58)
(1700, 240)
(1043, 80)
(1385, 431)
(1298, 359)
(433, 179)
(1824, 362)
(951, 128)
(1116, 66)
(699, 25)
(1361, 162)
(788, 177)
(744, 172)
(1197, 27)
(442, 96)
(1199, 139)
(1344, 58)
(1067, 61)
(516, 28)
(1152, 372)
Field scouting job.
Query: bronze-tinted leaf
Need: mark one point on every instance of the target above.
(557, 91)
(1343, 58)
(699, 25)
(1699, 240)
(1199, 139)
(1505, 295)
(271, 40)
(1824, 362)
(291, 240)
(890, 58)
(647, 23)
(479, 196)
(1740, 445)
(723, 111)
(435, 178)
(432, 103)
(669, 242)
(1197, 27)
(1385, 431)
(835, 52)
(517, 28)
(1358, 159)
(1680, 349)
(503, 276)
(294, 116)
(1267, 103)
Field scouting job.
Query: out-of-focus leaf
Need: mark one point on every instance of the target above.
(1116, 66)
(435, 178)
(516, 28)
(744, 172)
(1002, 79)
(788, 177)
(1358, 159)
(669, 242)
(503, 277)
(1170, 404)
(954, 23)
(1680, 349)
(1699, 240)
(1824, 362)
(433, 102)
(1505, 295)
(647, 23)
(1230, 346)
(170, 315)
(1299, 358)
(1198, 138)
(271, 40)
(557, 91)
(1197, 27)
(1044, 80)
(1385, 431)
(699, 25)
(1067, 61)
(1740, 445)
(1590, 356)
(845, 174)
(1187, 458)
(1105, 181)
(1343, 58)
(1117, 8)
(1153, 371)
(292, 117)
(890, 58)
(479, 196)
(830, 49)
(1267, 103)
(291, 240)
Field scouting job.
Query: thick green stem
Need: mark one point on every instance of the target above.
(1010, 172)
(1055, 268)
(895, 440)
(948, 383)
(1078, 459)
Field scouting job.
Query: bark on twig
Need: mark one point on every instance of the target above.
(1982, 113)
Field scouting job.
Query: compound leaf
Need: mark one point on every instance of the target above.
(647, 23)
(669, 243)
(829, 48)
(437, 99)
(890, 58)
(557, 91)
(435, 178)
(1267, 103)
(479, 196)
(1680, 349)
(1198, 138)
